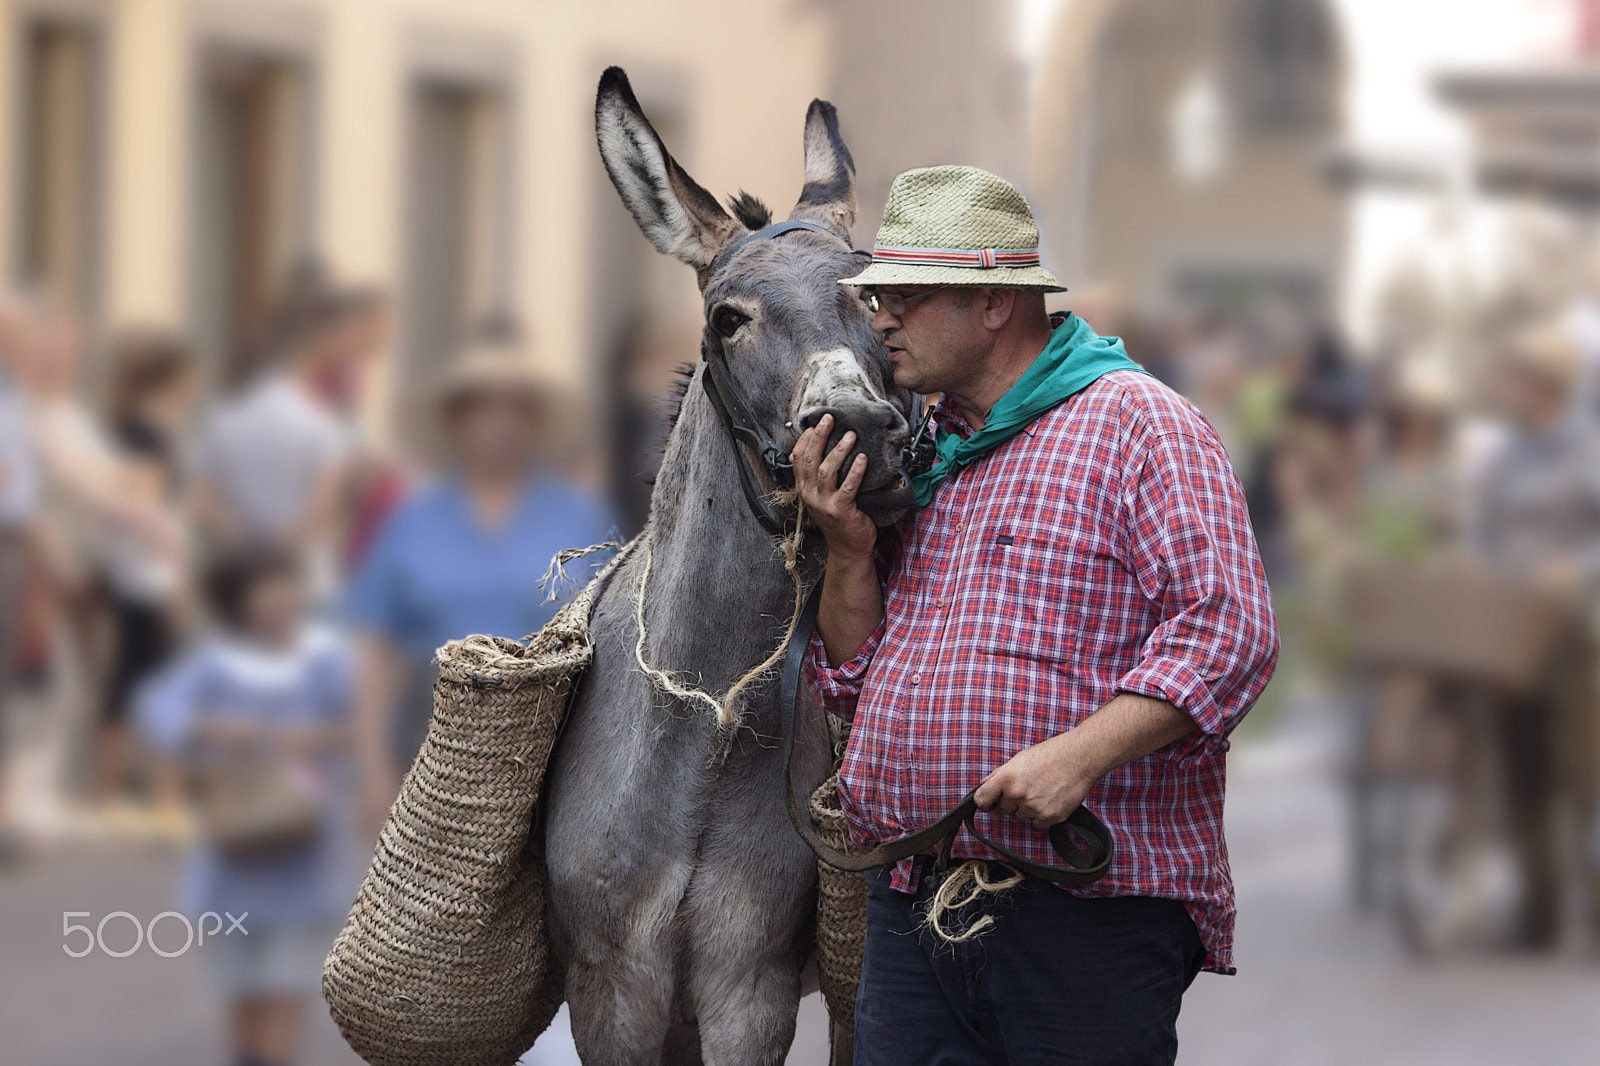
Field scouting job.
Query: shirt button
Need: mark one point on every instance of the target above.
(958, 527)
(939, 602)
(916, 679)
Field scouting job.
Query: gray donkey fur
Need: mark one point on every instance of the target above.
(681, 899)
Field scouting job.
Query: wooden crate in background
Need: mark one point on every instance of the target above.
(1458, 620)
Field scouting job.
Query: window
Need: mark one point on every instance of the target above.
(1285, 66)
(458, 208)
(58, 238)
(251, 194)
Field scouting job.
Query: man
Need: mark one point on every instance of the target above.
(274, 458)
(1076, 614)
(1536, 515)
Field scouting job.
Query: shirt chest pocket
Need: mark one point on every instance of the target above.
(1030, 591)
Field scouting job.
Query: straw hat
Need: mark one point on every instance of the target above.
(1425, 383)
(558, 413)
(494, 370)
(956, 226)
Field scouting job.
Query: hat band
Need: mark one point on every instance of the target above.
(979, 258)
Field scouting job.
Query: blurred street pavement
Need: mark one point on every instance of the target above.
(1318, 983)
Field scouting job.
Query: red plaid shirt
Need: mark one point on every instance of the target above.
(1103, 549)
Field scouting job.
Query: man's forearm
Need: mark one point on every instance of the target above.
(1046, 782)
(1128, 727)
(851, 607)
(213, 513)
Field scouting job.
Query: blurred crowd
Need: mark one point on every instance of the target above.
(222, 600)
(1428, 509)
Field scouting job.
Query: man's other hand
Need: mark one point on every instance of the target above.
(1042, 784)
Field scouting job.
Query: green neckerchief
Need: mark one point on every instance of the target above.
(1075, 358)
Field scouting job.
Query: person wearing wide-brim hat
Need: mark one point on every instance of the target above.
(489, 369)
(465, 554)
(1076, 613)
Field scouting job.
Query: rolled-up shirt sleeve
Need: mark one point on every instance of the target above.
(1190, 545)
(838, 688)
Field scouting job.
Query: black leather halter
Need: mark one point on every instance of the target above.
(736, 414)
(917, 455)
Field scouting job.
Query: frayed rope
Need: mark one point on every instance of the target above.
(965, 884)
(556, 576)
(726, 708)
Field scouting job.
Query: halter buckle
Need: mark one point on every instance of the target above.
(778, 465)
(920, 453)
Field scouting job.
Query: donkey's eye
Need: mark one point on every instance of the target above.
(726, 321)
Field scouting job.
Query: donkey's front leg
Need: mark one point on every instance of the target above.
(621, 962)
(747, 1010)
(621, 1009)
(751, 936)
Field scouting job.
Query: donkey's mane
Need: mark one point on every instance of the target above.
(671, 409)
(682, 378)
(750, 211)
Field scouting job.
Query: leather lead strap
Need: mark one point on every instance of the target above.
(1083, 865)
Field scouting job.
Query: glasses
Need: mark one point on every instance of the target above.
(893, 302)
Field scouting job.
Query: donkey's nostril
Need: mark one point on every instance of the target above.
(812, 416)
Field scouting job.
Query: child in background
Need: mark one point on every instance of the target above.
(269, 690)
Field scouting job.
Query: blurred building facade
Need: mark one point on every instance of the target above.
(1175, 146)
(167, 162)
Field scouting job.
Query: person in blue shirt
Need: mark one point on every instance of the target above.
(466, 554)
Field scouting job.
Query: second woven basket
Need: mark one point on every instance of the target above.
(444, 959)
(841, 915)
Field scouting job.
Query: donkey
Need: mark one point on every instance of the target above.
(680, 898)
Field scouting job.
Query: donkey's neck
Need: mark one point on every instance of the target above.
(720, 598)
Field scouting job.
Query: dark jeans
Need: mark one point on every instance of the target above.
(1056, 979)
(144, 645)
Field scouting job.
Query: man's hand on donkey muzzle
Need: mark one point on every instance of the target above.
(829, 500)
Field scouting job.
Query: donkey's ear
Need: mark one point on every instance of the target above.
(829, 194)
(680, 218)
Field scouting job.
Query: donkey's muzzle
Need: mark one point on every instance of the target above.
(881, 434)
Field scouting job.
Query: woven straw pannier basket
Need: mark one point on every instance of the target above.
(841, 916)
(444, 960)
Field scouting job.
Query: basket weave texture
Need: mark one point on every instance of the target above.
(841, 915)
(444, 958)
